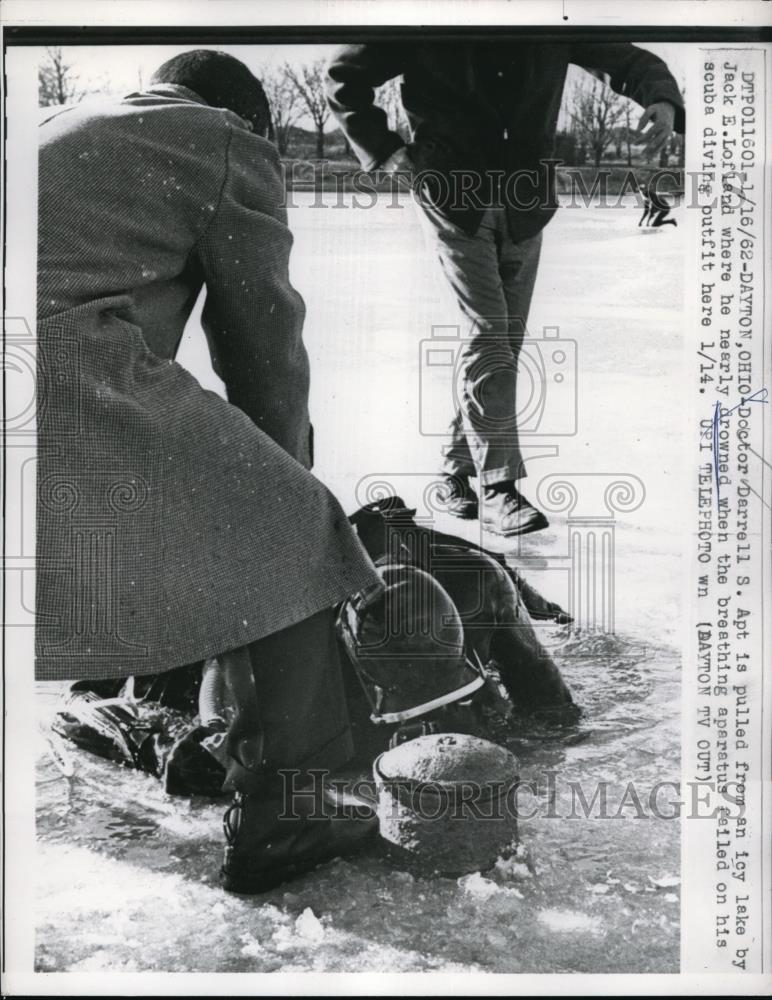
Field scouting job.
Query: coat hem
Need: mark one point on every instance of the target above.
(56, 668)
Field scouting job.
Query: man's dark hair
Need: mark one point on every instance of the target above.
(222, 81)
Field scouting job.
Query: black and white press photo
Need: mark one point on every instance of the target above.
(386, 499)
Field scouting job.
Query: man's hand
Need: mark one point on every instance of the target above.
(662, 114)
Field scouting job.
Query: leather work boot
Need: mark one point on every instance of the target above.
(458, 498)
(266, 848)
(506, 512)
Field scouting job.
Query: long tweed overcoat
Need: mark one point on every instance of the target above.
(171, 525)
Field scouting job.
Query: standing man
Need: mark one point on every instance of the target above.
(172, 525)
(483, 117)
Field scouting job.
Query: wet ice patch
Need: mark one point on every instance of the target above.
(569, 921)
(477, 886)
(179, 824)
(512, 869)
(308, 925)
(307, 930)
(251, 947)
(104, 961)
(665, 881)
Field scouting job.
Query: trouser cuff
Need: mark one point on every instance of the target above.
(504, 474)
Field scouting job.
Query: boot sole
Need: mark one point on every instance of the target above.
(254, 884)
(538, 524)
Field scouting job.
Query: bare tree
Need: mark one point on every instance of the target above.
(596, 113)
(309, 81)
(285, 101)
(629, 132)
(58, 80)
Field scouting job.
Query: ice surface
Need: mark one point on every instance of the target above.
(477, 886)
(308, 926)
(568, 921)
(127, 879)
(665, 881)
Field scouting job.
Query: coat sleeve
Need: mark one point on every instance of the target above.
(633, 73)
(252, 316)
(352, 76)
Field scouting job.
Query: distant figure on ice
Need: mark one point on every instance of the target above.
(655, 208)
(483, 117)
(174, 526)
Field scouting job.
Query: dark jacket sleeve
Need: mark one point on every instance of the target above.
(253, 317)
(352, 76)
(633, 73)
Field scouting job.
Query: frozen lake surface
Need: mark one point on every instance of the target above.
(127, 878)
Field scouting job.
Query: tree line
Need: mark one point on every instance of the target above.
(296, 94)
(601, 124)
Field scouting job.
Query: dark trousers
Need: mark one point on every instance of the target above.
(297, 719)
(285, 705)
(492, 278)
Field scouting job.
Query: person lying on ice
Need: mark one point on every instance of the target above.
(173, 526)
(410, 672)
